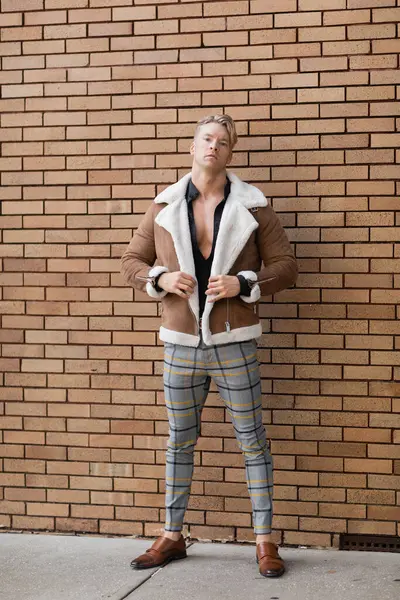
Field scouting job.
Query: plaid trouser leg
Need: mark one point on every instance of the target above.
(236, 374)
(186, 385)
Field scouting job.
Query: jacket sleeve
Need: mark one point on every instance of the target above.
(279, 270)
(137, 262)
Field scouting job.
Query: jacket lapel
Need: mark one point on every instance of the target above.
(237, 225)
(174, 219)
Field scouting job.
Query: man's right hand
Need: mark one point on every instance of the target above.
(178, 283)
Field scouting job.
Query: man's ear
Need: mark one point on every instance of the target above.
(192, 148)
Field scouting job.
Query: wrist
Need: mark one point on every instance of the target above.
(159, 281)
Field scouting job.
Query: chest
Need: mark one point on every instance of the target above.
(204, 221)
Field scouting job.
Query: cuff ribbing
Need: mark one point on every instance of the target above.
(255, 294)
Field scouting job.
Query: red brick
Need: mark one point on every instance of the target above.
(372, 527)
(372, 435)
(309, 539)
(34, 495)
(70, 496)
(342, 480)
(371, 496)
(70, 524)
(35, 523)
(92, 512)
(47, 509)
(347, 511)
(357, 32)
(121, 528)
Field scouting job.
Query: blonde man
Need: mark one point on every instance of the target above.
(209, 246)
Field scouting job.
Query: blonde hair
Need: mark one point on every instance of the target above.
(224, 120)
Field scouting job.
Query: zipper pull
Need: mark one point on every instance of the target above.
(227, 326)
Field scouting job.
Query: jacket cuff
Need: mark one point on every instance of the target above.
(245, 289)
(156, 286)
(151, 289)
(255, 293)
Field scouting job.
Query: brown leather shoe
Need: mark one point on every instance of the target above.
(161, 553)
(269, 561)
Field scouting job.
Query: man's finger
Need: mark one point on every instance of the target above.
(216, 285)
(186, 284)
(187, 276)
(185, 288)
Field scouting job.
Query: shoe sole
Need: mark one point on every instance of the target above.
(277, 574)
(138, 567)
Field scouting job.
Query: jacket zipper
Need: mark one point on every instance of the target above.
(227, 322)
(264, 280)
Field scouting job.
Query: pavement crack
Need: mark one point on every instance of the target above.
(128, 589)
(128, 594)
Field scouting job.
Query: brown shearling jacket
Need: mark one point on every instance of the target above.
(250, 242)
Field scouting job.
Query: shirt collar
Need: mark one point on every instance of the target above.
(192, 192)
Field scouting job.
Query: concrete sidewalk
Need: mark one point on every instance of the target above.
(55, 567)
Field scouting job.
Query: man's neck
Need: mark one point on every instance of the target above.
(209, 185)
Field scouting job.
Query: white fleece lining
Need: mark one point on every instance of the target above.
(154, 272)
(255, 291)
(177, 337)
(241, 334)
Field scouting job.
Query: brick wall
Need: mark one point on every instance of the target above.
(98, 102)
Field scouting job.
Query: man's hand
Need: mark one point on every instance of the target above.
(222, 286)
(178, 283)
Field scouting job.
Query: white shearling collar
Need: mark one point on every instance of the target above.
(246, 194)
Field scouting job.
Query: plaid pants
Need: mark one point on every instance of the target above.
(187, 376)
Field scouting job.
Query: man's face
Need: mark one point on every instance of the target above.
(211, 148)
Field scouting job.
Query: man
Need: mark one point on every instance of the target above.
(217, 245)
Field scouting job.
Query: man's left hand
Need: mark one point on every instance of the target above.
(222, 286)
